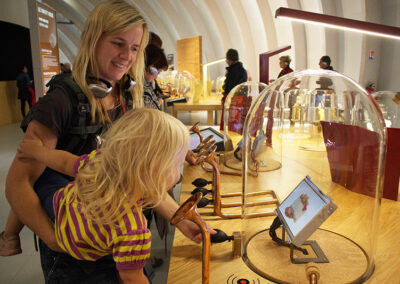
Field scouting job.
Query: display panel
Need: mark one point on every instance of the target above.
(304, 210)
(218, 138)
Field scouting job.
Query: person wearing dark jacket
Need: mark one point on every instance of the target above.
(235, 75)
(23, 84)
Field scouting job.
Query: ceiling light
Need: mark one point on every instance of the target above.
(338, 22)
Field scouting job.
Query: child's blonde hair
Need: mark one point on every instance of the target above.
(136, 161)
(108, 18)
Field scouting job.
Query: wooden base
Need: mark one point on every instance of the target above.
(348, 262)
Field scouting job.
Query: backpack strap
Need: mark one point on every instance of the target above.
(82, 125)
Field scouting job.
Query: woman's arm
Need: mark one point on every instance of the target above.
(133, 276)
(58, 160)
(19, 187)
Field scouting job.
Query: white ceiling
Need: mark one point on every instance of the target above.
(250, 27)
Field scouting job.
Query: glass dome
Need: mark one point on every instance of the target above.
(219, 82)
(236, 107)
(320, 125)
(389, 103)
(185, 83)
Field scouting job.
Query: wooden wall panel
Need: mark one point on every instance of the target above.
(189, 56)
(10, 107)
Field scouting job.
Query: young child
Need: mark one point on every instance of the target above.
(100, 212)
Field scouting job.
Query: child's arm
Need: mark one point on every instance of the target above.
(58, 160)
(133, 276)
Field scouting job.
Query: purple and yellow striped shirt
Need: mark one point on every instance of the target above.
(128, 241)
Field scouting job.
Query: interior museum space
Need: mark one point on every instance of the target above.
(290, 173)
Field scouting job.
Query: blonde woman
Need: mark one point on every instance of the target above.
(100, 212)
(112, 47)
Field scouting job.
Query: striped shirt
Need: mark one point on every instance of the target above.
(128, 241)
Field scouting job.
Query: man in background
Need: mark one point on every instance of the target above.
(23, 84)
(235, 75)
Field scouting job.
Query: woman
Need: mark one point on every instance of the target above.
(111, 50)
(156, 61)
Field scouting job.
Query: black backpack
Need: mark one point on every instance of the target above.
(82, 125)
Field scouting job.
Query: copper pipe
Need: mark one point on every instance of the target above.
(188, 211)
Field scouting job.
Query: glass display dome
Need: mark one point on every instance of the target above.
(323, 128)
(177, 84)
(389, 103)
(185, 83)
(219, 82)
(236, 108)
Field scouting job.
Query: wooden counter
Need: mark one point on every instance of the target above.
(211, 104)
(354, 210)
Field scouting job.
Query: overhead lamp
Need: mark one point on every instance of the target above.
(338, 23)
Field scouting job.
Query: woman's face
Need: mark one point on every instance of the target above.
(116, 53)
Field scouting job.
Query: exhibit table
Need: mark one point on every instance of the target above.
(211, 104)
(186, 257)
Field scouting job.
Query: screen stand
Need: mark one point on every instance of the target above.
(320, 256)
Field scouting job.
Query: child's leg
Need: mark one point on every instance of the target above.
(9, 239)
(13, 226)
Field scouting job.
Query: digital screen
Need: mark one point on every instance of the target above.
(300, 207)
(195, 139)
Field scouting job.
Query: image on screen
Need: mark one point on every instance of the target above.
(300, 207)
(195, 140)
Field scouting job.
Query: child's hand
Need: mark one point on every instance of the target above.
(29, 148)
(192, 231)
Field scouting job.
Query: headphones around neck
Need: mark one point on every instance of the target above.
(101, 88)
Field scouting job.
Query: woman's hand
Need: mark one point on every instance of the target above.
(30, 148)
(192, 230)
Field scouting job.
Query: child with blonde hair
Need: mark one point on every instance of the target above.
(100, 212)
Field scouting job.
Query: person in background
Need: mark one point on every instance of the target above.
(235, 75)
(325, 63)
(23, 84)
(284, 63)
(65, 68)
(155, 62)
(154, 39)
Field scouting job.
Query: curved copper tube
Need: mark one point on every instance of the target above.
(188, 211)
(217, 195)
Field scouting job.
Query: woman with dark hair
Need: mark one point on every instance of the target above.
(155, 63)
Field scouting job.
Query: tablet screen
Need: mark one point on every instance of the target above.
(304, 210)
(195, 140)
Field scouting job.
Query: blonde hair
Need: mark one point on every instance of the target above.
(136, 160)
(108, 18)
(285, 58)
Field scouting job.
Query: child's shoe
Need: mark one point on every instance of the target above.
(9, 246)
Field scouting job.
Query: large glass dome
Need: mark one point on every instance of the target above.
(389, 103)
(323, 125)
(236, 108)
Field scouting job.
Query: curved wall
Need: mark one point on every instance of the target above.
(250, 27)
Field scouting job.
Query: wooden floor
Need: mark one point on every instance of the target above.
(353, 220)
